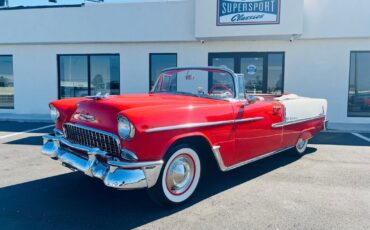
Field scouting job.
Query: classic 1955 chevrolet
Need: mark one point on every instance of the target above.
(163, 141)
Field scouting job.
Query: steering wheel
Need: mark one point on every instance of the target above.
(220, 86)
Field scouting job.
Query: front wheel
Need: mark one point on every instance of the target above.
(179, 176)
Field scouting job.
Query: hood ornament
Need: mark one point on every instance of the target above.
(98, 96)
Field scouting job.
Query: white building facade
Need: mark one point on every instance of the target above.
(314, 48)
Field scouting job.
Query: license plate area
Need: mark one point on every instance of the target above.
(82, 154)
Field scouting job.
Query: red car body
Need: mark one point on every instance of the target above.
(148, 111)
(236, 131)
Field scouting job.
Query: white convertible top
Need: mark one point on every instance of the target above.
(299, 108)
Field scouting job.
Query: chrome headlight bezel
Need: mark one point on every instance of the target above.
(126, 130)
(54, 114)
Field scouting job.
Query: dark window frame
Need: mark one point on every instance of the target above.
(237, 61)
(150, 65)
(349, 82)
(88, 68)
(13, 107)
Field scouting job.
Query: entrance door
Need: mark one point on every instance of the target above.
(254, 73)
(264, 72)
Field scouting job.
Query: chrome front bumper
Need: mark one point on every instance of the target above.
(114, 173)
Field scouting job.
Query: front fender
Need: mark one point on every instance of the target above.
(177, 138)
(154, 145)
(66, 108)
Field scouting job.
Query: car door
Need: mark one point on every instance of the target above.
(255, 135)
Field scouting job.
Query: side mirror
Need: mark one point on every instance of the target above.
(252, 99)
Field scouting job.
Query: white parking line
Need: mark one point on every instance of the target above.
(27, 131)
(361, 136)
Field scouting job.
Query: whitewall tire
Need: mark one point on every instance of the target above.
(179, 176)
(301, 146)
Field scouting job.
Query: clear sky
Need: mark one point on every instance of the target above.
(46, 2)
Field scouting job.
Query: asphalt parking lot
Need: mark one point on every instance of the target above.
(328, 188)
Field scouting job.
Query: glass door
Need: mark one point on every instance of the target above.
(228, 62)
(263, 72)
(253, 70)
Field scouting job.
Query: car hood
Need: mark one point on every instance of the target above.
(102, 114)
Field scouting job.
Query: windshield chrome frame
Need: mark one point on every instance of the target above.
(232, 73)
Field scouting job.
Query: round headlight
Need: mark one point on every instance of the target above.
(54, 113)
(126, 129)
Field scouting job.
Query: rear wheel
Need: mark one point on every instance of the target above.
(179, 176)
(301, 147)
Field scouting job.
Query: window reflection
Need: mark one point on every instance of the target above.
(158, 62)
(264, 72)
(104, 72)
(227, 62)
(73, 76)
(6, 82)
(78, 80)
(359, 85)
(275, 74)
(252, 68)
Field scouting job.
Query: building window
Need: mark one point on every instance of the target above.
(359, 85)
(275, 74)
(83, 75)
(6, 82)
(263, 72)
(158, 62)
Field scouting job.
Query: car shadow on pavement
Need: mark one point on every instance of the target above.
(34, 140)
(75, 201)
(13, 126)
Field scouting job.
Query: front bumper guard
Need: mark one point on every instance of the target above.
(115, 174)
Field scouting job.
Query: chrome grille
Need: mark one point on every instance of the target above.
(92, 138)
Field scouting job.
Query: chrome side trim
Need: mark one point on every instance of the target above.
(287, 123)
(237, 121)
(203, 124)
(221, 165)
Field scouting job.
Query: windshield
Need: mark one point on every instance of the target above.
(210, 83)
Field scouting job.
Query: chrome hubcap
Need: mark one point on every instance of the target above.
(301, 144)
(180, 174)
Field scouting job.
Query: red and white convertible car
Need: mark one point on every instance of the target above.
(163, 141)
